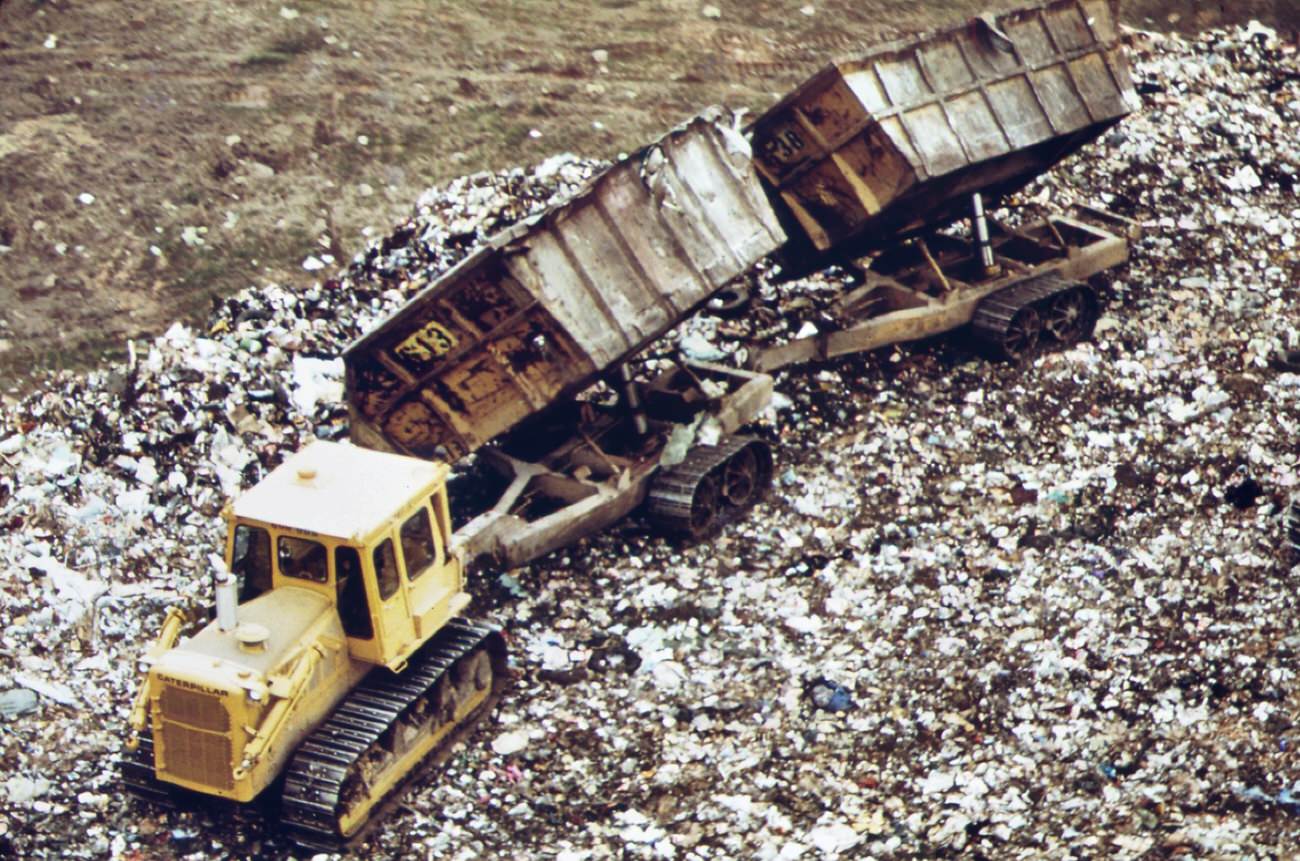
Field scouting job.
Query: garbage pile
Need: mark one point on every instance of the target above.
(987, 610)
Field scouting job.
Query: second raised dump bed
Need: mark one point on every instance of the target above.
(897, 139)
(547, 307)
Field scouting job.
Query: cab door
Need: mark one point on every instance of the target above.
(392, 608)
(423, 556)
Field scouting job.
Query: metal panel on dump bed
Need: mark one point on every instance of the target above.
(549, 305)
(897, 139)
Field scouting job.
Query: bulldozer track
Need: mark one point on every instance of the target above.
(1013, 322)
(313, 796)
(137, 772)
(691, 498)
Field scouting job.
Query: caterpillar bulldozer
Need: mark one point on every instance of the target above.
(336, 658)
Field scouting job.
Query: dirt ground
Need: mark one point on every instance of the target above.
(157, 154)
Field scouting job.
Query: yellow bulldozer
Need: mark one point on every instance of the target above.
(336, 656)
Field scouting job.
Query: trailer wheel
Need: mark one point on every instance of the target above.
(746, 475)
(714, 482)
(1022, 334)
(1069, 317)
(740, 478)
(704, 507)
(1012, 322)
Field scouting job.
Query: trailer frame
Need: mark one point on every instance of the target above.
(940, 292)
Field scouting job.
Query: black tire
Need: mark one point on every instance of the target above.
(730, 303)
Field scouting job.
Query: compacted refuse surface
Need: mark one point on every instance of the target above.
(987, 611)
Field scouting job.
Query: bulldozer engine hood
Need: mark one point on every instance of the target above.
(213, 693)
(272, 629)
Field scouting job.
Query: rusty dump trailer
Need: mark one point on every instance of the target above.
(548, 306)
(870, 158)
(496, 348)
(864, 161)
(891, 142)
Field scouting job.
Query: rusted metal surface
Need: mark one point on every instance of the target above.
(549, 305)
(897, 139)
(580, 487)
(906, 304)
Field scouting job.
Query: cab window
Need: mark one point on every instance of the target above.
(354, 610)
(251, 561)
(385, 560)
(302, 558)
(418, 548)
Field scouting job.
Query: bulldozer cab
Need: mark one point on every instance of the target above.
(367, 530)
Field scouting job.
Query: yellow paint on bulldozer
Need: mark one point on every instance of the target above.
(343, 563)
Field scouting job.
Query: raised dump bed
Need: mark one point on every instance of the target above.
(547, 307)
(896, 140)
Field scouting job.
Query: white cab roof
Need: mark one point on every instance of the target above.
(339, 490)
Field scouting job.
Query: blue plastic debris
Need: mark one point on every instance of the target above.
(512, 586)
(18, 701)
(830, 696)
(1288, 797)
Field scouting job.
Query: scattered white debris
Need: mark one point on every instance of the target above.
(316, 381)
(1049, 606)
(510, 743)
(22, 790)
(834, 840)
(192, 235)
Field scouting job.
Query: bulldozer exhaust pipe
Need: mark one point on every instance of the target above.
(227, 592)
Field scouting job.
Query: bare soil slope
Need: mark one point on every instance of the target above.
(155, 154)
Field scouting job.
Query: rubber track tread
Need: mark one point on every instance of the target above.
(137, 772)
(668, 504)
(314, 779)
(995, 312)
